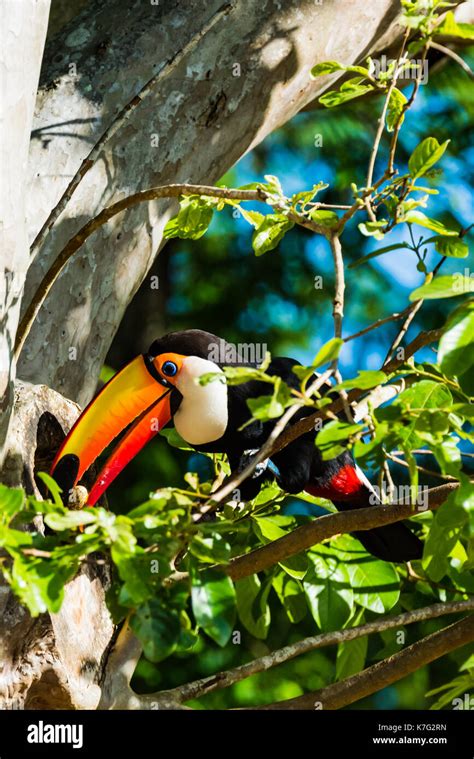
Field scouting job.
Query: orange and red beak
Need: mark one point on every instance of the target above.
(138, 395)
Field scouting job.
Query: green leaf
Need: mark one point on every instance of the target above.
(456, 347)
(448, 286)
(452, 247)
(291, 595)
(328, 592)
(273, 184)
(270, 232)
(373, 228)
(375, 584)
(306, 196)
(327, 219)
(70, 520)
(451, 28)
(268, 529)
(330, 437)
(270, 406)
(364, 381)
(39, 583)
(324, 68)
(253, 217)
(351, 655)
(53, 488)
(195, 215)
(425, 155)
(328, 352)
(420, 400)
(11, 502)
(418, 217)
(265, 407)
(158, 629)
(333, 97)
(135, 571)
(252, 606)
(446, 527)
(213, 602)
(174, 439)
(210, 549)
(379, 252)
(395, 108)
(448, 455)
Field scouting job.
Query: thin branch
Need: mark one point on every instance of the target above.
(338, 301)
(381, 124)
(430, 472)
(231, 676)
(426, 452)
(387, 671)
(451, 54)
(412, 311)
(338, 311)
(406, 106)
(121, 119)
(328, 526)
(378, 323)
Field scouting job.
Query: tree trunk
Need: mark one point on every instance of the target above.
(243, 78)
(53, 661)
(23, 24)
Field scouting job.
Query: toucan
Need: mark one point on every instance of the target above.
(162, 385)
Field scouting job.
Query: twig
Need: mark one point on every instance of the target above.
(338, 310)
(231, 676)
(381, 125)
(406, 106)
(451, 54)
(426, 452)
(378, 323)
(412, 311)
(385, 672)
(121, 119)
(413, 576)
(338, 301)
(430, 472)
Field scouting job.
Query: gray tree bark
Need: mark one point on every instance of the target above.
(245, 77)
(23, 26)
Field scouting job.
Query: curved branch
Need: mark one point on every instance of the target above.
(327, 527)
(224, 679)
(155, 193)
(387, 671)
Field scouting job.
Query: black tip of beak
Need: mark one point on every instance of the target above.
(65, 474)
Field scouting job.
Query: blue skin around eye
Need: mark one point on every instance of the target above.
(169, 368)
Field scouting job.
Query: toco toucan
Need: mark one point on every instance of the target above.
(163, 385)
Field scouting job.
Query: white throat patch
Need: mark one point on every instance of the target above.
(202, 415)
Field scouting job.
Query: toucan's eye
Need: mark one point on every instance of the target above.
(169, 369)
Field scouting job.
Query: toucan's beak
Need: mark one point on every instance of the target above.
(139, 393)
